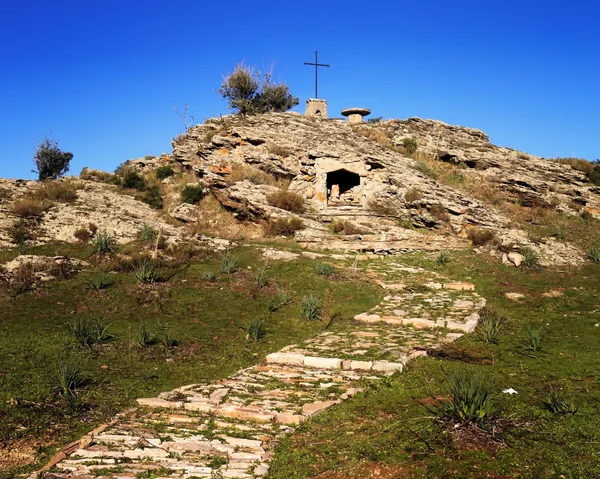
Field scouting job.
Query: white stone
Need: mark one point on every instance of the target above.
(322, 363)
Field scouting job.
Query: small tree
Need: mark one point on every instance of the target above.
(250, 92)
(50, 161)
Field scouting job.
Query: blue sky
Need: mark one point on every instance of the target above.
(103, 77)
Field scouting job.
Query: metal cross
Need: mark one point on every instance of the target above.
(316, 65)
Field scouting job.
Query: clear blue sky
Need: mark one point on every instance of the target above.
(103, 77)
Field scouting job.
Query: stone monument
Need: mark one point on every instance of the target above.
(355, 115)
(316, 107)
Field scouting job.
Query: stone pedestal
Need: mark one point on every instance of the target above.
(316, 107)
(355, 115)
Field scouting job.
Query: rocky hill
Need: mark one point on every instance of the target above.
(378, 187)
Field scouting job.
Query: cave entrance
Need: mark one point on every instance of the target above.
(342, 187)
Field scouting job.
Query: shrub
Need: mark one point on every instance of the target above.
(440, 213)
(410, 145)
(530, 259)
(594, 174)
(62, 269)
(279, 150)
(559, 403)
(594, 254)
(229, 264)
(249, 92)
(471, 398)
(412, 195)
(145, 271)
(29, 207)
(83, 235)
(424, 168)
(480, 237)
(586, 216)
(192, 194)
(346, 227)
(153, 198)
(324, 269)
(240, 172)
(284, 226)
(20, 232)
(311, 307)
(164, 171)
(147, 232)
(23, 278)
(104, 243)
(52, 190)
(96, 175)
(133, 180)
(489, 326)
(380, 208)
(287, 200)
(50, 161)
(256, 330)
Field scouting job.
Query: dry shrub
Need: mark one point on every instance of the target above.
(23, 278)
(440, 213)
(5, 193)
(378, 135)
(380, 209)
(287, 200)
(412, 195)
(346, 227)
(56, 190)
(578, 164)
(284, 226)
(97, 175)
(83, 235)
(29, 207)
(279, 150)
(480, 236)
(240, 172)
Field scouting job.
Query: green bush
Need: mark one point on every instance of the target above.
(250, 92)
(104, 243)
(133, 180)
(559, 403)
(192, 194)
(594, 174)
(164, 171)
(410, 145)
(324, 269)
(471, 398)
(153, 198)
(50, 161)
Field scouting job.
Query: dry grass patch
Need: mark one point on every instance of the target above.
(279, 150)
(480, 236)
(56, 190)
(97, 175)
(29, 207)
(412, 195)
(284, 226)
(240, 172)
(346, 227)
(578, 164)
(287, 200)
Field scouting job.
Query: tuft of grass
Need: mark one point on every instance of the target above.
(104, 243)
(533, 341)
(311, 307)
(29, 207)
(209, 276)
(424, 168)
(287, 200)
(229, 264)
(480, 236)
(87, 332)
(278, 301)
(69, 380)
(346, 227)
(531, 259)
(412, 195)
(490, 325)
(560, 403)
(443, 258)
(261, 278)
(144, 338)
(147, 232)
(145, 271)
(20, 232)
(284, 226)
(168, 341)
(56, 190)
(256, 330)
(594, 254)
(471, 398)
(99, 282)
(324, 269)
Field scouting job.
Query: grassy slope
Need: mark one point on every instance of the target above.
(208, 318)
(386, 432)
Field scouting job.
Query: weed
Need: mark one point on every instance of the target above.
(62, 268)
(560, 403)
(144, 338)
(147, 232)
(406, 224)
(284, 226)
(68, 380)
(104, 243)
(311, 307)
(261, 278)
(287, 200)
(256, 330)
(52, 190)
(145, 270)
(346, 227)
(424, 168)
(533, 342)
(381, 209)
(192, 194)
(480, 237)
(443, 258)
(99, 281)
(20, 232)
(87, 332)
(229, 264)
(440, 213)
(489, 326)
(155, 473)
(277, 302)
(209, 276)
(410, 145)
(23, 279)
(168, 341)
(324, 269)
(471, 398)
(587, 216)
(412, 195)
(83, 235)
(164, 171)
(560, 233)
(531, 259)
(594, 254)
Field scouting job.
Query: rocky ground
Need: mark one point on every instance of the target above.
(229, 428)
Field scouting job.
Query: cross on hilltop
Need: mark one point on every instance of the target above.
(316, 64)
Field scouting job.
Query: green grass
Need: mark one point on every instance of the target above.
(538, 433)
(209, 320)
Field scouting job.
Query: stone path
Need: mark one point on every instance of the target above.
(229, 428)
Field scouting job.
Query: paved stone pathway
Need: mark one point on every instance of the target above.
(229, 428)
